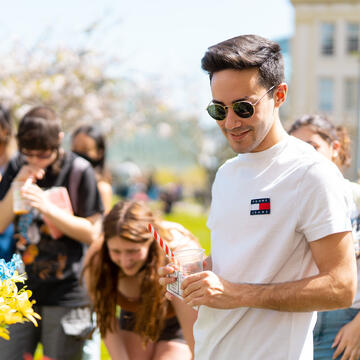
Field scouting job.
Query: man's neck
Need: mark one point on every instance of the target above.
(276, 134)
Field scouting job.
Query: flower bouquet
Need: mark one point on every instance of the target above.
(15, 305)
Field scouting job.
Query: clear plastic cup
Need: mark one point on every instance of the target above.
(187, 262)
(190, 260)
(20, 205)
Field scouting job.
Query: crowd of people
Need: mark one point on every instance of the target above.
(281, 279)
(57, 232)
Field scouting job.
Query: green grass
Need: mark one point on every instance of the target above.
(196, 223)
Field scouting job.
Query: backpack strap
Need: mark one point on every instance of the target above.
(79, 165)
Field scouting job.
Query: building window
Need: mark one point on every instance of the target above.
(352, 93)
(352, 37)
(327, 39)
(326, 95)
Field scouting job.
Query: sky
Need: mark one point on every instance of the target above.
(160, 40)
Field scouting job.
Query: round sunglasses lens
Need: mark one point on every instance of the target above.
(243, 109)
(217, 112)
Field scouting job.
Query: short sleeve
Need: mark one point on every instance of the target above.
(323, 202)
(88, 195)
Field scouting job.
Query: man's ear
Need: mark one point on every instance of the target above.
(280, 94)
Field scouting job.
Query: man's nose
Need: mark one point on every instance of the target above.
(232, 120)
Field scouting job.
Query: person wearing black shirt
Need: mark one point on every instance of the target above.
(53, 261)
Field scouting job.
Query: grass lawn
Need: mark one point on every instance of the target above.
(196, 223)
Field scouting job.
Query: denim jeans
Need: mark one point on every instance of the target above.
(327, 326)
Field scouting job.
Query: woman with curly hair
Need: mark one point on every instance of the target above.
(121, 270)
(336, 332)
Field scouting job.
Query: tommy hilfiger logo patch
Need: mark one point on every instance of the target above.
(260, 206)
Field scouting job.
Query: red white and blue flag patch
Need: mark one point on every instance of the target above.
(260, 206)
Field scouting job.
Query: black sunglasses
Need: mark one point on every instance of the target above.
(243, 109)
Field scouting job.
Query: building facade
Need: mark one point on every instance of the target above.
(325, 54)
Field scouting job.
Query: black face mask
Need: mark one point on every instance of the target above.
(94, 162)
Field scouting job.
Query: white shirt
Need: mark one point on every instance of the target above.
(307, 201)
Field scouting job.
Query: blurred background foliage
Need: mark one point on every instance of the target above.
(141, 126)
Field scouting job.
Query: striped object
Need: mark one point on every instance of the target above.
(161, 242)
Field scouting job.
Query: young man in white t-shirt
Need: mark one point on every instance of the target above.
(281, 243)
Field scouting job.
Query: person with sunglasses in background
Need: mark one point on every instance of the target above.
(336, 333)
(281, 242)
(52, 235)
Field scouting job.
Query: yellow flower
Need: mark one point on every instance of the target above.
(8, 288)
(10, 316)
(18, 278)
(4, 333)
(15, 306)
(24, 306)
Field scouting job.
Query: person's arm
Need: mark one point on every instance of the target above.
(115, 345)
(334, 287)
(85, 230)
(106, 194)
(186, 316)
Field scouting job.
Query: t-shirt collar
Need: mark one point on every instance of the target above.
(268, 153)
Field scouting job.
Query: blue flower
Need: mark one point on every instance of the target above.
(7, 270)
(15, 261)
(5, 273)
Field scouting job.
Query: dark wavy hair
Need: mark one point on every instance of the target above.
(247, 52)
(322, 126)
(39, 129)
(129, 220)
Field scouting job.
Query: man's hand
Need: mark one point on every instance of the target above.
(347, 341)
(206, 288)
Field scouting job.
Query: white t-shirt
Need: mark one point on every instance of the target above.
(266, 207)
